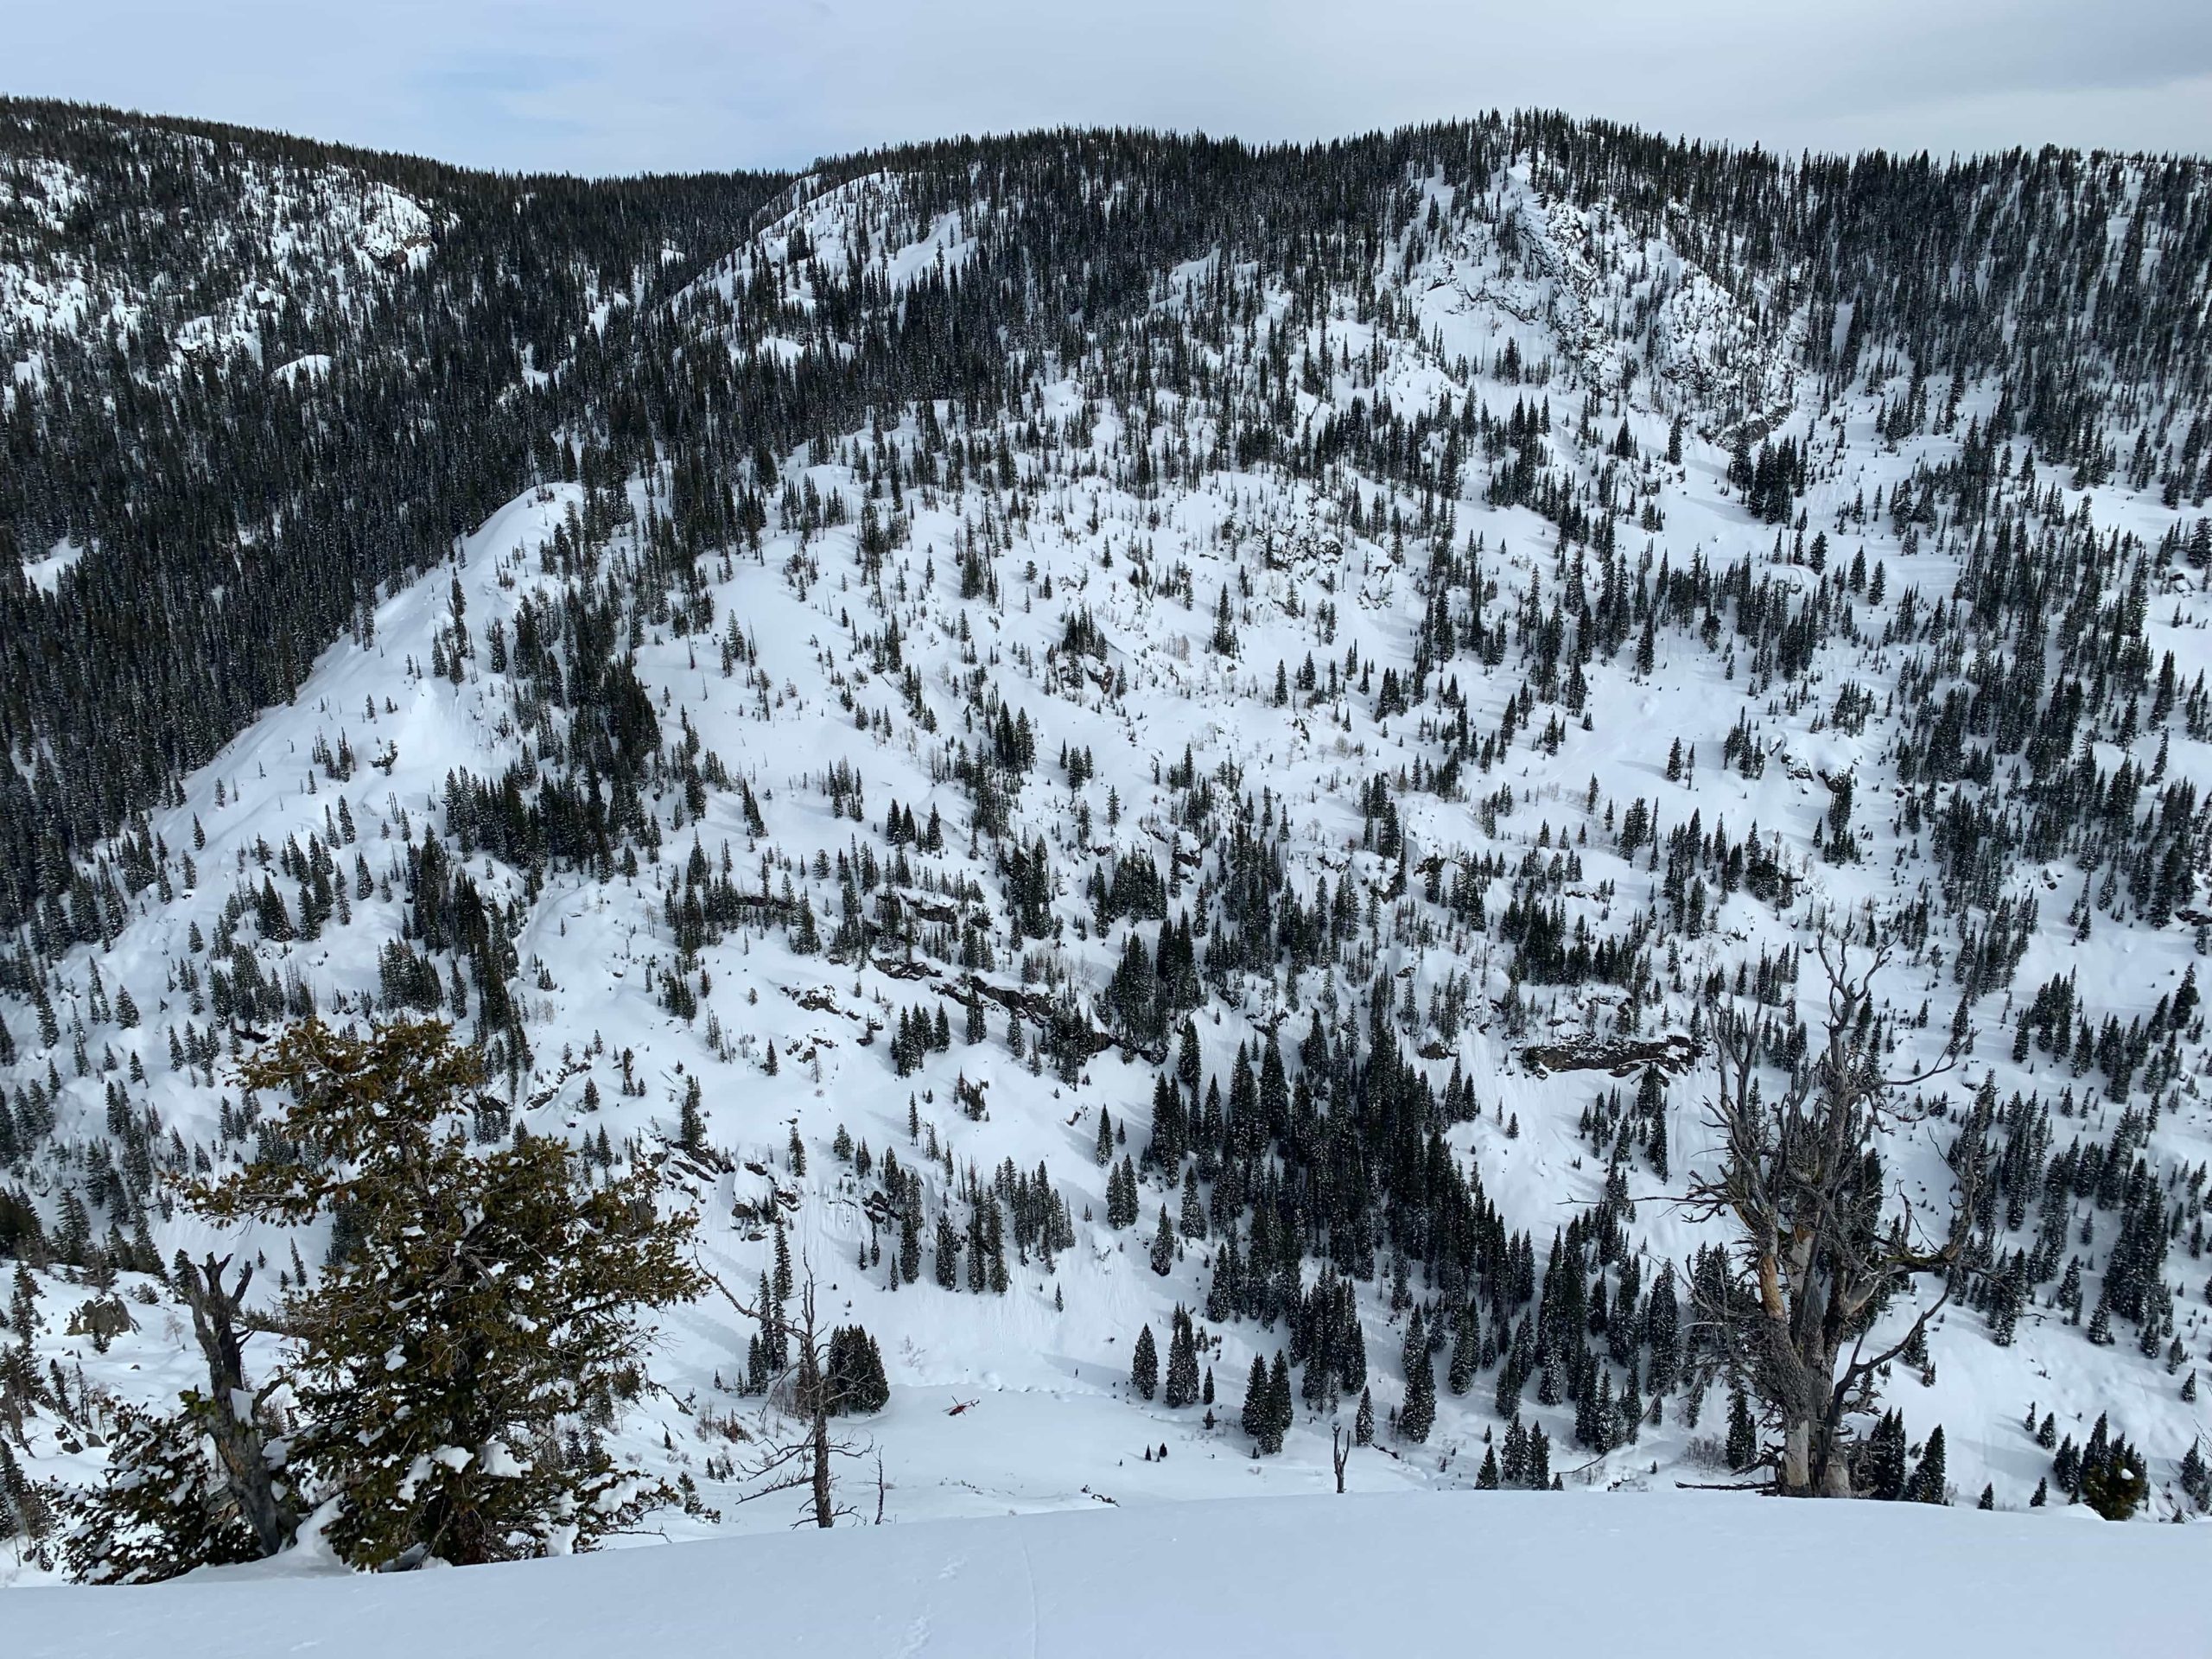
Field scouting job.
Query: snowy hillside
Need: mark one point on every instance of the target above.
(240, 257)
(1366, 1575)
(1241, 793)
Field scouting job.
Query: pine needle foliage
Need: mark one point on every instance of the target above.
(489, 1313)
(163, 1509)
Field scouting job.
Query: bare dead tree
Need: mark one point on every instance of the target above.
(795, 1450)
(1801, 1176)
(230, 1414)
(1340, 1441)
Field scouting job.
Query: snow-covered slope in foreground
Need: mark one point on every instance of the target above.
(1518, 1573)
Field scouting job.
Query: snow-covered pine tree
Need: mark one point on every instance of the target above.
(487, 1296)
(161, 1509)
(1743, 1432)
(1182, 1383)
(1418, 1415)
(1144, 1365)
(1930, 1480)
(1257, 1414)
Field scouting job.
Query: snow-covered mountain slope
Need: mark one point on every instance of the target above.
(1678, 1576)
(224, 255)
(1342, 724)
(1615, 298)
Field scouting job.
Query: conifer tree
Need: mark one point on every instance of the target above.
(1121, 1205)
(1414, 1345)
(1418, 1415)
(1192, 1220)
(1282, 1411)
(853, 1379)
(1881, 1473)
(1144, 1365)
(1465, 1349)
(1258, 1414)
(909, 1260)
(781, 1285)
(2100, 1331)
(947, 1254)
(162, 1510)
(1929, 1481)
(691, 1130)
(1743, 1432)
(2194, 1476)
(979, 1254)
(1182, 1384)
(2114, 1479)
(2066, 1467)
(486, 1296)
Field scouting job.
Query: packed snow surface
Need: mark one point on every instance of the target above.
(1500, 1573)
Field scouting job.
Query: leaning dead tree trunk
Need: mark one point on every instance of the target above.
(1801, 1176)
(228, 1410)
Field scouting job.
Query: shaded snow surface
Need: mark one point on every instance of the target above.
(1413, 1573)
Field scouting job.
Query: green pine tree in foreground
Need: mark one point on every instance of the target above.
(488, 1309)
(163, 1511)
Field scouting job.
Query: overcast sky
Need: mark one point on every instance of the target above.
(592, 86)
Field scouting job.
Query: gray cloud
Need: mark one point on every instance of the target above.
(679, 84)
